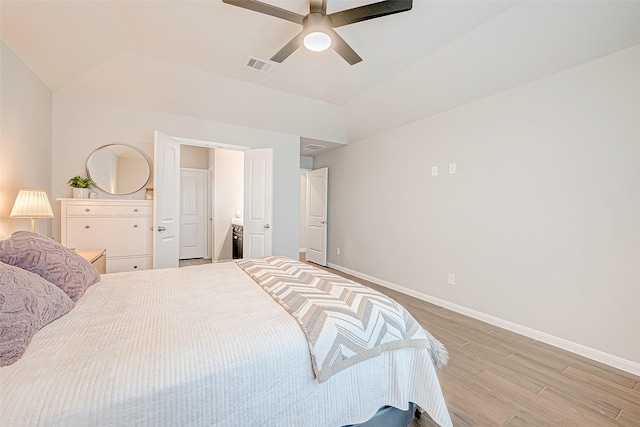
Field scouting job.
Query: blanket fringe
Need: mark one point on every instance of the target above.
(438, 352)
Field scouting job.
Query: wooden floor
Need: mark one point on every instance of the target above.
(498, 378)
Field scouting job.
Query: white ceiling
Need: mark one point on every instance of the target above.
(437, 56)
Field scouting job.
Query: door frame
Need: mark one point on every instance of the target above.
(211, 144)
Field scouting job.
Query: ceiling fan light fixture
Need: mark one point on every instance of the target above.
(318, 27)
(317, 41)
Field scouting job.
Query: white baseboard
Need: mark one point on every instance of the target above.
(591, 353)
(302, 250)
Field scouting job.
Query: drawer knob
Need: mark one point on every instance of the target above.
(135, 226)
(135, 210)
(135, 266)
(87, 210)
(86, 226)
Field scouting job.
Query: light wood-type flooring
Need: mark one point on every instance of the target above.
(499, 378)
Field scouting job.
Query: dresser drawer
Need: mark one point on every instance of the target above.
(107, 210)
(120, 236)
(117, 265)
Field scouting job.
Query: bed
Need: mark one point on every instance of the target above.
(195, 346)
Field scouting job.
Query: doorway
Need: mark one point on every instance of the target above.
(211, 201)
(227, 192)
(256, 209)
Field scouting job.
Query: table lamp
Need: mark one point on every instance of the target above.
(31, 204)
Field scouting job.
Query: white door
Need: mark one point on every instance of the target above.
(317, 216)
(193, 211)
(166, 216)
(210, 223)
(258, 203)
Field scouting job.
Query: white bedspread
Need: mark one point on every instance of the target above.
(196, 346)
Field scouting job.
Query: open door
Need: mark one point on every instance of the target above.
(166, 210)
(317, 216)
(258, 203)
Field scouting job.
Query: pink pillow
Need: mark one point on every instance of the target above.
(49, 260)
(27, 303)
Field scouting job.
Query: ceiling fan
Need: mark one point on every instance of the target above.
(318, 28)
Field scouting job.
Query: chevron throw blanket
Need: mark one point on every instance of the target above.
(344, 322)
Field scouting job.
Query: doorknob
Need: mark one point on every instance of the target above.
(161, 228)
(267, 226)
(324, 222)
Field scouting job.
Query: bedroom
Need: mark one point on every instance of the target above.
(539, 223)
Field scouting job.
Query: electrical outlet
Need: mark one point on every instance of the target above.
(452, 168)
(451, 279)
(337, 251)
(434, 170)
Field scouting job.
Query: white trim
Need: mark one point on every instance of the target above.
(303, 250)
(209, 144)
(591, 353)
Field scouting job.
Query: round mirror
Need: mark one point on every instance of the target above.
(118, 169)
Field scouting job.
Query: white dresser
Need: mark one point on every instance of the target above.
(122, 227)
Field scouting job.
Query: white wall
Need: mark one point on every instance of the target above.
(541, 222)
(228, 197)
(25, 140)
(303, 209)
(80, 126)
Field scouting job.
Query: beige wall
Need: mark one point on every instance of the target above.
(81, 126)
(303, 209)
(144, 83)
(133, 170)
(228, 197)
(541, 222)
(194, 157)
(25, 140)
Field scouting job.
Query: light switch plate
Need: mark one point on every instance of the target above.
(452, 168)
(434, 170)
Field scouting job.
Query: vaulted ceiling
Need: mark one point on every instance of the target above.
(439, 55)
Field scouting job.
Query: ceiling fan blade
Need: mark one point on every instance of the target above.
(289, 48)
(370, 11)
(318, 6)
(339, 45)
(267, 9)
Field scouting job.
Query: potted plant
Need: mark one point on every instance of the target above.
(80, 187)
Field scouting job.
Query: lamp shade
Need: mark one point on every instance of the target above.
(31, 204)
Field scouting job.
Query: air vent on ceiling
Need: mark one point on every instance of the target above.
(258, 64)
(313, 147)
